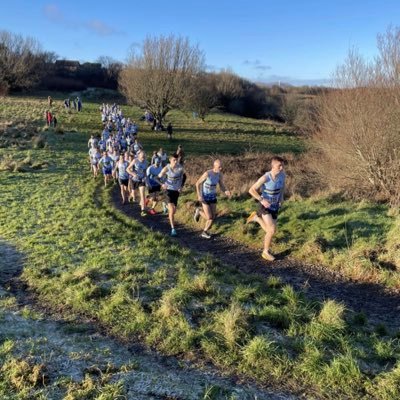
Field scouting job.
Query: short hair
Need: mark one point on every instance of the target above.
(279, 159)
(174, 155)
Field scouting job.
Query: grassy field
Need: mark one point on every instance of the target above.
(83, 257)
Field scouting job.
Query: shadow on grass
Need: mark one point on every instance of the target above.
(11, 263)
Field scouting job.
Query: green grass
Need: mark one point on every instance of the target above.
(83, 257)
(354, 238)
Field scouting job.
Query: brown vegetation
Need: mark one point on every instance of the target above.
(358, 141)
(241, 171)
(21, 134)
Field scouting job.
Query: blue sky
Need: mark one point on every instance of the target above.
(299, 42)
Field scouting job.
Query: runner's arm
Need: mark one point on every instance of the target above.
(161, 175)
(222, 186)
(254, 191)
(130, 170)
(282, 196)
(199, 184)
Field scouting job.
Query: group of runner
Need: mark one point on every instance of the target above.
(121, 157)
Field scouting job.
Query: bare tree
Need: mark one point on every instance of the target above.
(112, 67)
(159, 78)
(203, 95)
(20, 60)
(358, 138)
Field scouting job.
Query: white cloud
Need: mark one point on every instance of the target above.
(53, 13)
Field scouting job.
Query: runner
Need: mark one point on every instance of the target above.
(123, 177)
(92, 142)
(163, 156)
(206, 188)
(115, 157)
(95, 156)
(137, 146)
(272, 186)
(106, 163)
(137, 169)
(174, 182)
(130, 157)
(153, 183)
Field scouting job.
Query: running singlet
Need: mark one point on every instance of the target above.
(210, 186)
(93, 142)
(95, 156)
(106, 161)
(122, 173)
(174, 177)
(105, 134)
(115, 158)
(152, 173)
(272, 189)
(102, 145)
(140, 169)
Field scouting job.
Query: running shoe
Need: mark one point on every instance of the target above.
(205, 235)
(267, 256)
(152, 211)
(251, 217)
(196, 216)
(143, 213)
(164, 207)
(173, 232)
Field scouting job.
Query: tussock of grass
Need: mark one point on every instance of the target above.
(90, 388)
(24, 375)
(231, 324)
(386, 386)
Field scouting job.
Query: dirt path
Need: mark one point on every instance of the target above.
(70, 351)
(378, 303)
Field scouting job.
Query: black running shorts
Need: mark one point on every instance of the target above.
(262, 211)
(173, 196)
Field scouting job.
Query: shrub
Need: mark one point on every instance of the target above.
(358, 138)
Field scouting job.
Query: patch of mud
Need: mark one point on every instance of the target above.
(71, 351)
(380, 305)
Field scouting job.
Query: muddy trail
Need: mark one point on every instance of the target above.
(71, 351)
(377, 303)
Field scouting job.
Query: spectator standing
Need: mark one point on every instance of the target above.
(49, 117)
(169, 131)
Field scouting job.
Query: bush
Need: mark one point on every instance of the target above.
(358, 137)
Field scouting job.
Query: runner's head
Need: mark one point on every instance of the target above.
(157, 161)
(173, 159)
(217, 166)
(277, 164)
(141, 155)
